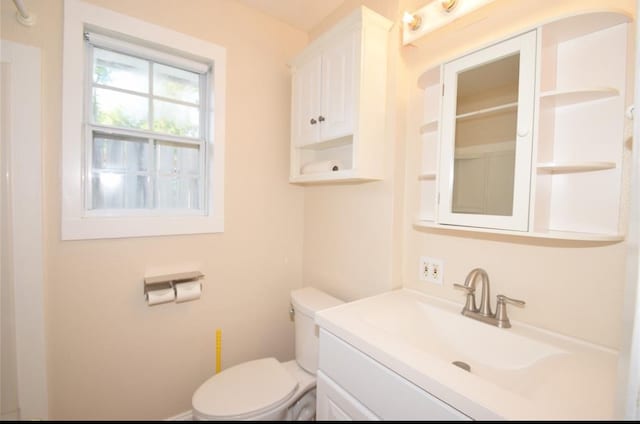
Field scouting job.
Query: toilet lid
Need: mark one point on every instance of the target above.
(250, 387)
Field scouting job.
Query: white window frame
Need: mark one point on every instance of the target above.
(76, 222)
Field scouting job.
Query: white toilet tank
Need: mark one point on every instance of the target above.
(306, 302)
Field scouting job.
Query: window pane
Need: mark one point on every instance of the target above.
(107, 190)
(120, 71)
(178, 193)
(190, 191)
(177, 158)
(137, 192)
(120, 153)
(176, 84)
(172, 118)
(113, 190)
(120, 109)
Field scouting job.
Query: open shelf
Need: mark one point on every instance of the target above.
(561, 30)
(429, 126)
(550, 234)
(328, 144)
(488, 111)
(427, 176)
(570, 97)
(566, 167)
(346, 175)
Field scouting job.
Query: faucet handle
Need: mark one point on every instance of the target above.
(470, 304)
(502, 320)
(468, 289)
(505, 299)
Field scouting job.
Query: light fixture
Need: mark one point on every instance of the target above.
(412, 21)
(435, 14)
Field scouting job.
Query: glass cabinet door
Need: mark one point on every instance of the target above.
(487, 136)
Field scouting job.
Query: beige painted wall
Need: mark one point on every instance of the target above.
(573, 288)
(109, 355)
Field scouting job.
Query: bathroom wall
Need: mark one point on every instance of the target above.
(109, 355)
(570, 287)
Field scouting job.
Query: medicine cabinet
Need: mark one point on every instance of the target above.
(526, 136)
(338, 102)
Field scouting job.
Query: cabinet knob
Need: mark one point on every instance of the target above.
(313, 121)
(321, 118)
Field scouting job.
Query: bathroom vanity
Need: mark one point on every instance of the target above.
(391, 357)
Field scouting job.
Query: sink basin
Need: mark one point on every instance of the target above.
(518, 373)
(461, 338)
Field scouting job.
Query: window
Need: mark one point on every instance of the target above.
(146, 132)
(148, 159)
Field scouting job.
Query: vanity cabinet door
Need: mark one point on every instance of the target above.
(335, 404)
(486, 136)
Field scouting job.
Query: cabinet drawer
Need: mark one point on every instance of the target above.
(388, 395)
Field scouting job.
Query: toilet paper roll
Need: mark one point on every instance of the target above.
(155, 297)
(321, 166)
(188, 291)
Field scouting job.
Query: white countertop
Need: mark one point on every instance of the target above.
(520, 373)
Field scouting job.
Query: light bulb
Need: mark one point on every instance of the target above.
(412, 21)
(448, 5)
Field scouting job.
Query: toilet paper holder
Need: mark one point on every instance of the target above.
(160, 282)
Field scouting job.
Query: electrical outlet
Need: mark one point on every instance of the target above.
(431, 270)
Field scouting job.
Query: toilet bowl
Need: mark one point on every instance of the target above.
(266, 389)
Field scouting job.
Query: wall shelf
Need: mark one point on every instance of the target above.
(427, 176)
(561, 98)
(429, 126)
(347, 175)
(328, 144)
(566, 167)
(549, 234)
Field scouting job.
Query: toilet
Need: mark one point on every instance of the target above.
(266, 389)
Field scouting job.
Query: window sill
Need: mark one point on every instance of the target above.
(121, 227)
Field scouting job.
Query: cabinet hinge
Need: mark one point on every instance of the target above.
(443, 90)
(438, 201)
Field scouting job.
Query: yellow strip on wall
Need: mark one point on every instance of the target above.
(218, 350)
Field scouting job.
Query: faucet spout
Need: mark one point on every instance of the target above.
(471, 281)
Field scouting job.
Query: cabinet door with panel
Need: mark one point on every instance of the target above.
(306, 101)
(324, 98)
(337, 90)
(335, 404)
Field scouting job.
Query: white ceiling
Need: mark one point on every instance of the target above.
(301, 14)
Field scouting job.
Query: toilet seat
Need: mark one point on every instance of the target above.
(249, 388)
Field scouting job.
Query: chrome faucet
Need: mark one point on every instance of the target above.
(483, 313)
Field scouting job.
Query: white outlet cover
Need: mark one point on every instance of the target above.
(431, 270)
